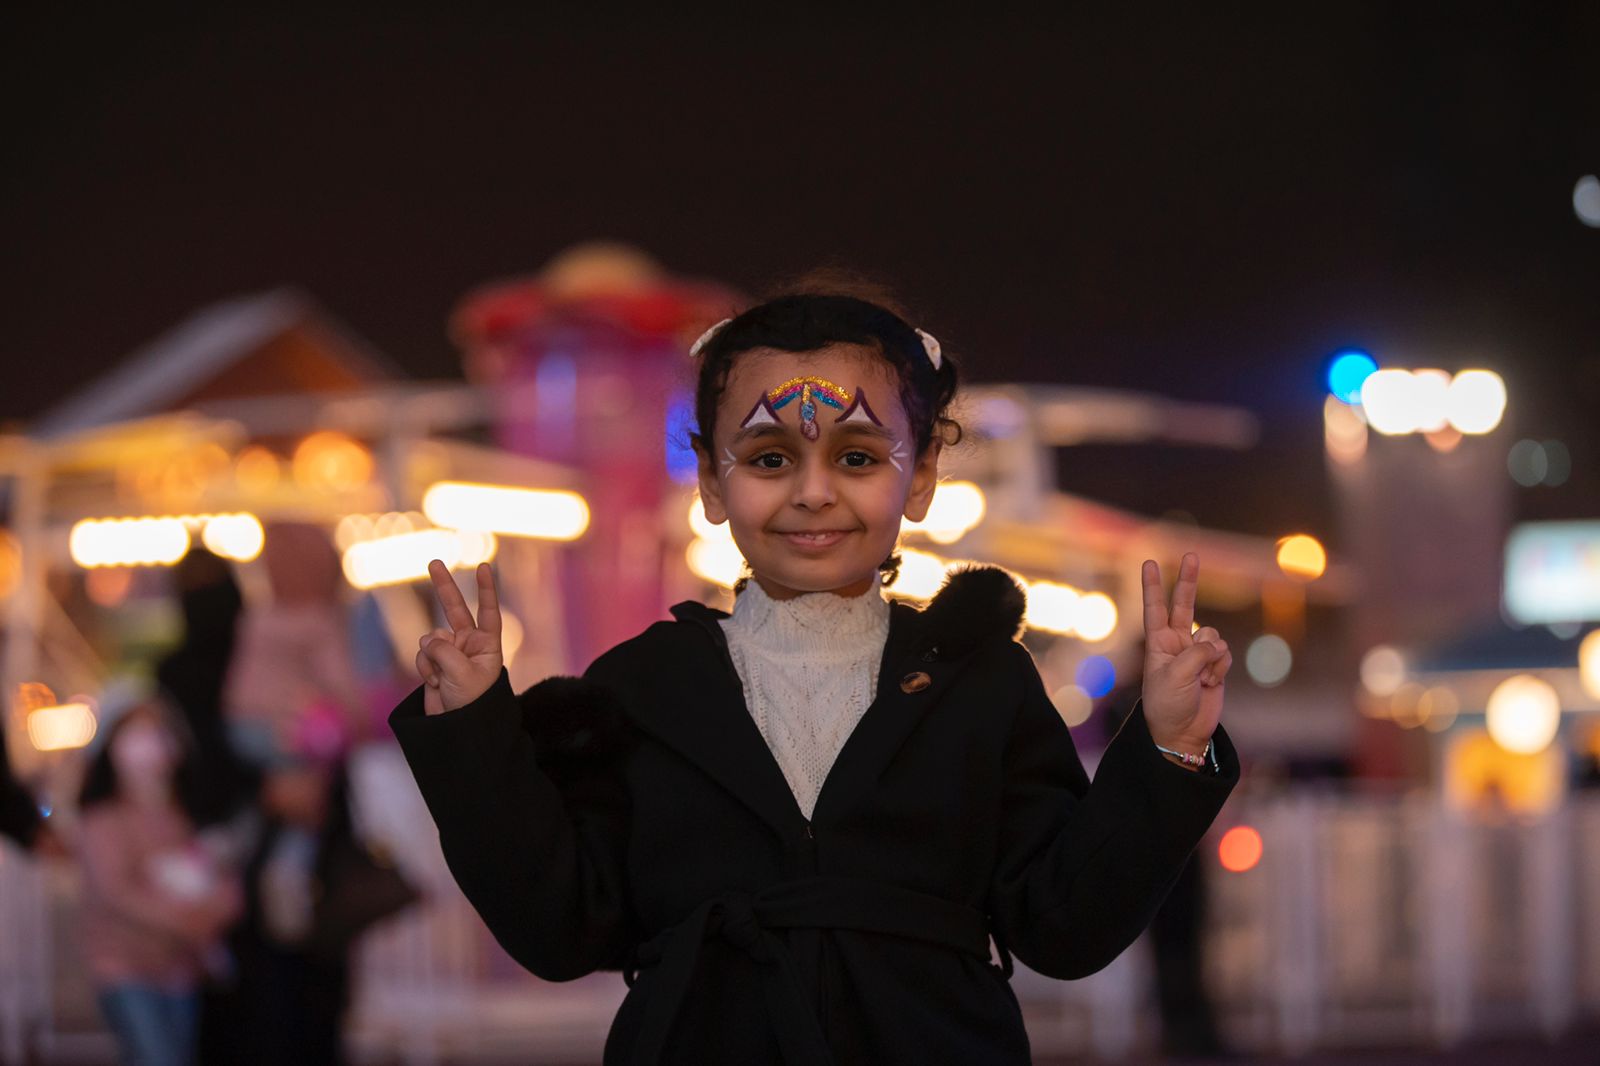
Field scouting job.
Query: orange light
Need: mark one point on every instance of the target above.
(1302, 557)
(331, 462)
(1240, 849)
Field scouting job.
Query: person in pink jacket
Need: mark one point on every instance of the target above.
(154, 899)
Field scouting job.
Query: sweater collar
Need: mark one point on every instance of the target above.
(812, 620)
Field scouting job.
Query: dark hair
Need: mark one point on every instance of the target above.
(819, 309)
(100, 779)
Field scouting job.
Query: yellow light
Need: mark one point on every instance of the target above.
(1096, 616)
(1052, 607)
(549, 514)
(257, 470)
(1524, 714)
(31, 695)
(1438, 708)
(1589, 663)
(128, 542)
(511, 634)
(1073, 704)
(10, 563)
(1302, 557)
(234, 536)
(331, 462)
(1476, 401)
(920, 575)
(1382, 670)
(956, 508)
(352, 529)
(715, 560)
(62, 727)
(401, 559)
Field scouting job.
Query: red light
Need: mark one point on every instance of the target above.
(1240, 849)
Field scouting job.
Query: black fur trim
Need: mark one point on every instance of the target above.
(574, 722)
(974, 604)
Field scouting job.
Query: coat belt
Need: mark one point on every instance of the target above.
(748, 920)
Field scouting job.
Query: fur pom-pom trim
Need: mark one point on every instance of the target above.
(573, 722)
(975, 603)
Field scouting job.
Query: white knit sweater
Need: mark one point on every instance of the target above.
(809, 666)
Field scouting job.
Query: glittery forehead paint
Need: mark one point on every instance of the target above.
(809, 391)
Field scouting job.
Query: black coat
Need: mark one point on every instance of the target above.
(635, 820)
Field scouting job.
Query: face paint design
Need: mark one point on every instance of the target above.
(897, 454)
(809, 391)
(859, 410)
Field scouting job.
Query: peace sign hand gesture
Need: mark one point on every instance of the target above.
(1183, 671)
(459, 664)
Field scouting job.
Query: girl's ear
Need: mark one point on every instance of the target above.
(710, 484)
(924, 479)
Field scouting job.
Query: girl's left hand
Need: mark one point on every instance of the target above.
(1183, 671)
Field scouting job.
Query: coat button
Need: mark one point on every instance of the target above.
(809, 834)
(915, 682)
(930, 655)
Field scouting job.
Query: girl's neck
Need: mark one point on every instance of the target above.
(781, 592)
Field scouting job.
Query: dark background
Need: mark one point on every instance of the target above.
(1204, 204)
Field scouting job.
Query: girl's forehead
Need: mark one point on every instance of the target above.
(850, 367)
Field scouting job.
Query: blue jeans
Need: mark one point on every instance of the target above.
(153, 1027)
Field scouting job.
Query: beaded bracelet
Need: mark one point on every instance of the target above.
(1194, 760)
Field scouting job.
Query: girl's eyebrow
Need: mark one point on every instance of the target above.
(768, 429)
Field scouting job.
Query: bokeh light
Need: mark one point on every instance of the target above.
(404, 558)
(234, 536)
(1347, 372)
(128, 541)
(1586, 200)
(1383, 669)
(1344, 431)
(1239, 849)
(1524, 714)
(1302, 557)
(1096, 676)
(1268, 660)
(63, 727)
(1096, 616)
(331, 462)
(1527, 463)
(957, 507)
(546, 514)
(1476, 401)
(1052, 607)
(1438, 708)
(1073, 704)
(1589, 663)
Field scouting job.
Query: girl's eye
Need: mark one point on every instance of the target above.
(760, 461)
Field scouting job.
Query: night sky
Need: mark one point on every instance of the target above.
(1201, 204)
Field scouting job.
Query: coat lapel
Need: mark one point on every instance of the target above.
(724, 741)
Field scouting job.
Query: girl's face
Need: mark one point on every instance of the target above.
(812, 467)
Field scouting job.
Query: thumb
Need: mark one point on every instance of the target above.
(1195, 658)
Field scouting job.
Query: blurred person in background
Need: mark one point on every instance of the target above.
(155, 899)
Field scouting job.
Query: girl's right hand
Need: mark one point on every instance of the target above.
(459, 664)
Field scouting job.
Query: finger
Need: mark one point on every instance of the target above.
(447, 658)
(1155, 604)
(488, 601)
(1208, 633)
(435, 634)
(1193, 660)
(426, 670)
(1183, 592)
(450, 598)
(1219, 669)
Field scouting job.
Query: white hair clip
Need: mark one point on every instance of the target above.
(930, 344)
(705, 338)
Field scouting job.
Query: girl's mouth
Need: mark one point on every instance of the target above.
(816, 540)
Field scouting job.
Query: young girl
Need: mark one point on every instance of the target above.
(155, 900)
(797, 827)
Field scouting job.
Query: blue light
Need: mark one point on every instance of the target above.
(681, 463)
(1096, 676)
(1347, 372)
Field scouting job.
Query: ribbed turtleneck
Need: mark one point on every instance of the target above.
(809, 666)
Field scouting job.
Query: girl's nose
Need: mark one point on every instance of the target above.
(813, 488)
